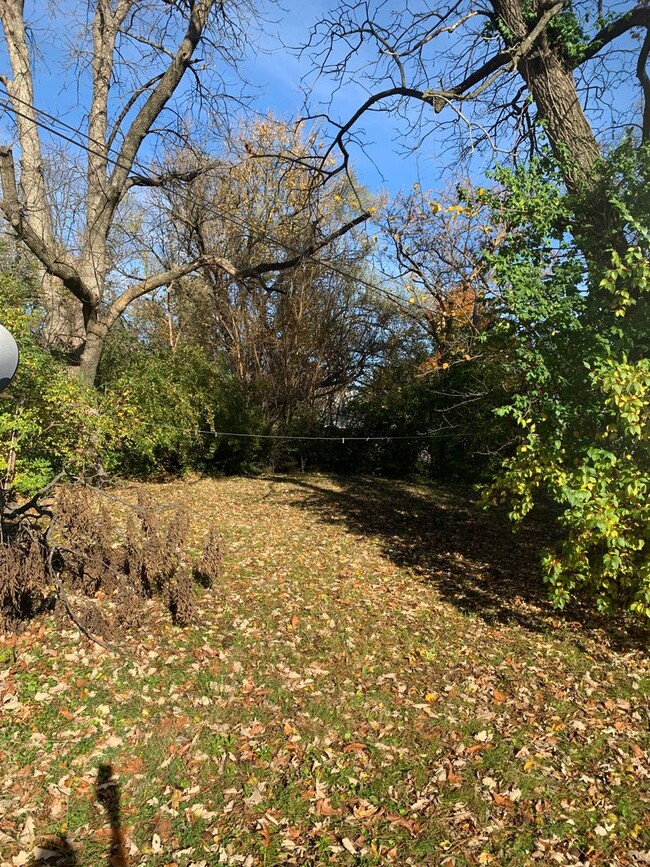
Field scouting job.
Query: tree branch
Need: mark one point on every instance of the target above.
(13, 211)
(21, 92)
(484, 77)
(165, 178)
(637, 17)
(161, 94)
(425, 96)
(504, 61)
(162, 278)
(644, 79)
(131, 101)
(305, 253)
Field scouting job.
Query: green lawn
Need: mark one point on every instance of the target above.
(375, 679)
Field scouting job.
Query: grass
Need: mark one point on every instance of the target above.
(376, 679)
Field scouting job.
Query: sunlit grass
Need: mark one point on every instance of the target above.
(354, 690)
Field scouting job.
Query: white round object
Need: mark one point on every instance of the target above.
(8, 357)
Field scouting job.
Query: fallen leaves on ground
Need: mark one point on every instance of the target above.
(375, 678)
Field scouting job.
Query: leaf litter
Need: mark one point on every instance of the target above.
(360, 687)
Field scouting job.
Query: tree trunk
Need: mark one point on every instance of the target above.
(553, 89)
(552, 85)
(85, 369)
(64, 325)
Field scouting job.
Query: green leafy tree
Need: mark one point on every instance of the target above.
(161, 401)
(48, 421)
(575, 315)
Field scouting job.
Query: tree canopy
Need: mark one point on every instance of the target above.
(239, 298)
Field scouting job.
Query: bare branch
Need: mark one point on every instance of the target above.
(644, 79)
(504, 61)
(131, 101)
(470, 88)
(137, 290)
(44, 252)
(637, 17)
(162, 180)
(344, 129)
(305, 253)
(161, 94)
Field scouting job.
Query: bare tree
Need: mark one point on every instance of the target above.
(492, 70)
(437, 243)
(142, 57)
(303, 334)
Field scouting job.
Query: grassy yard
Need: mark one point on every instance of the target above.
(376, 679)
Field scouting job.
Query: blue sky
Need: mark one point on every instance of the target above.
(282, 77)
(275, 74)
(276, 77)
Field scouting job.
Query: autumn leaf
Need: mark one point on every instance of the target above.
(477, 748)
(502, 800)
(163, 827)
(266, 835)
(364, 810)
(324, 808)
(409, 824)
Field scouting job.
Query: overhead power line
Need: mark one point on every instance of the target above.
(105, 153)
(341, 438)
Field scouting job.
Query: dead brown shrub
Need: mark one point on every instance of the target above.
(208, 568)
(96, 622)
(181, 599)
(72, 549)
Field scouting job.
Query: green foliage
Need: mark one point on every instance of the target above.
(145, 417)
(238, 409)
(47, 419)
(577, 325)
(409, 393)
(394, 401)
(161, 402)
(567, 32)
(169, 405)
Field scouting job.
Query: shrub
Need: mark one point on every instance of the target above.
(578, 326)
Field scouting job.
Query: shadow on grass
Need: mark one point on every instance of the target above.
(107, 793)
(61, 853)
(474, 558)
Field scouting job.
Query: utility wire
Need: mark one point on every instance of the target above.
(342, 438)
(7, 104)
(105, 149)
(338, 438)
